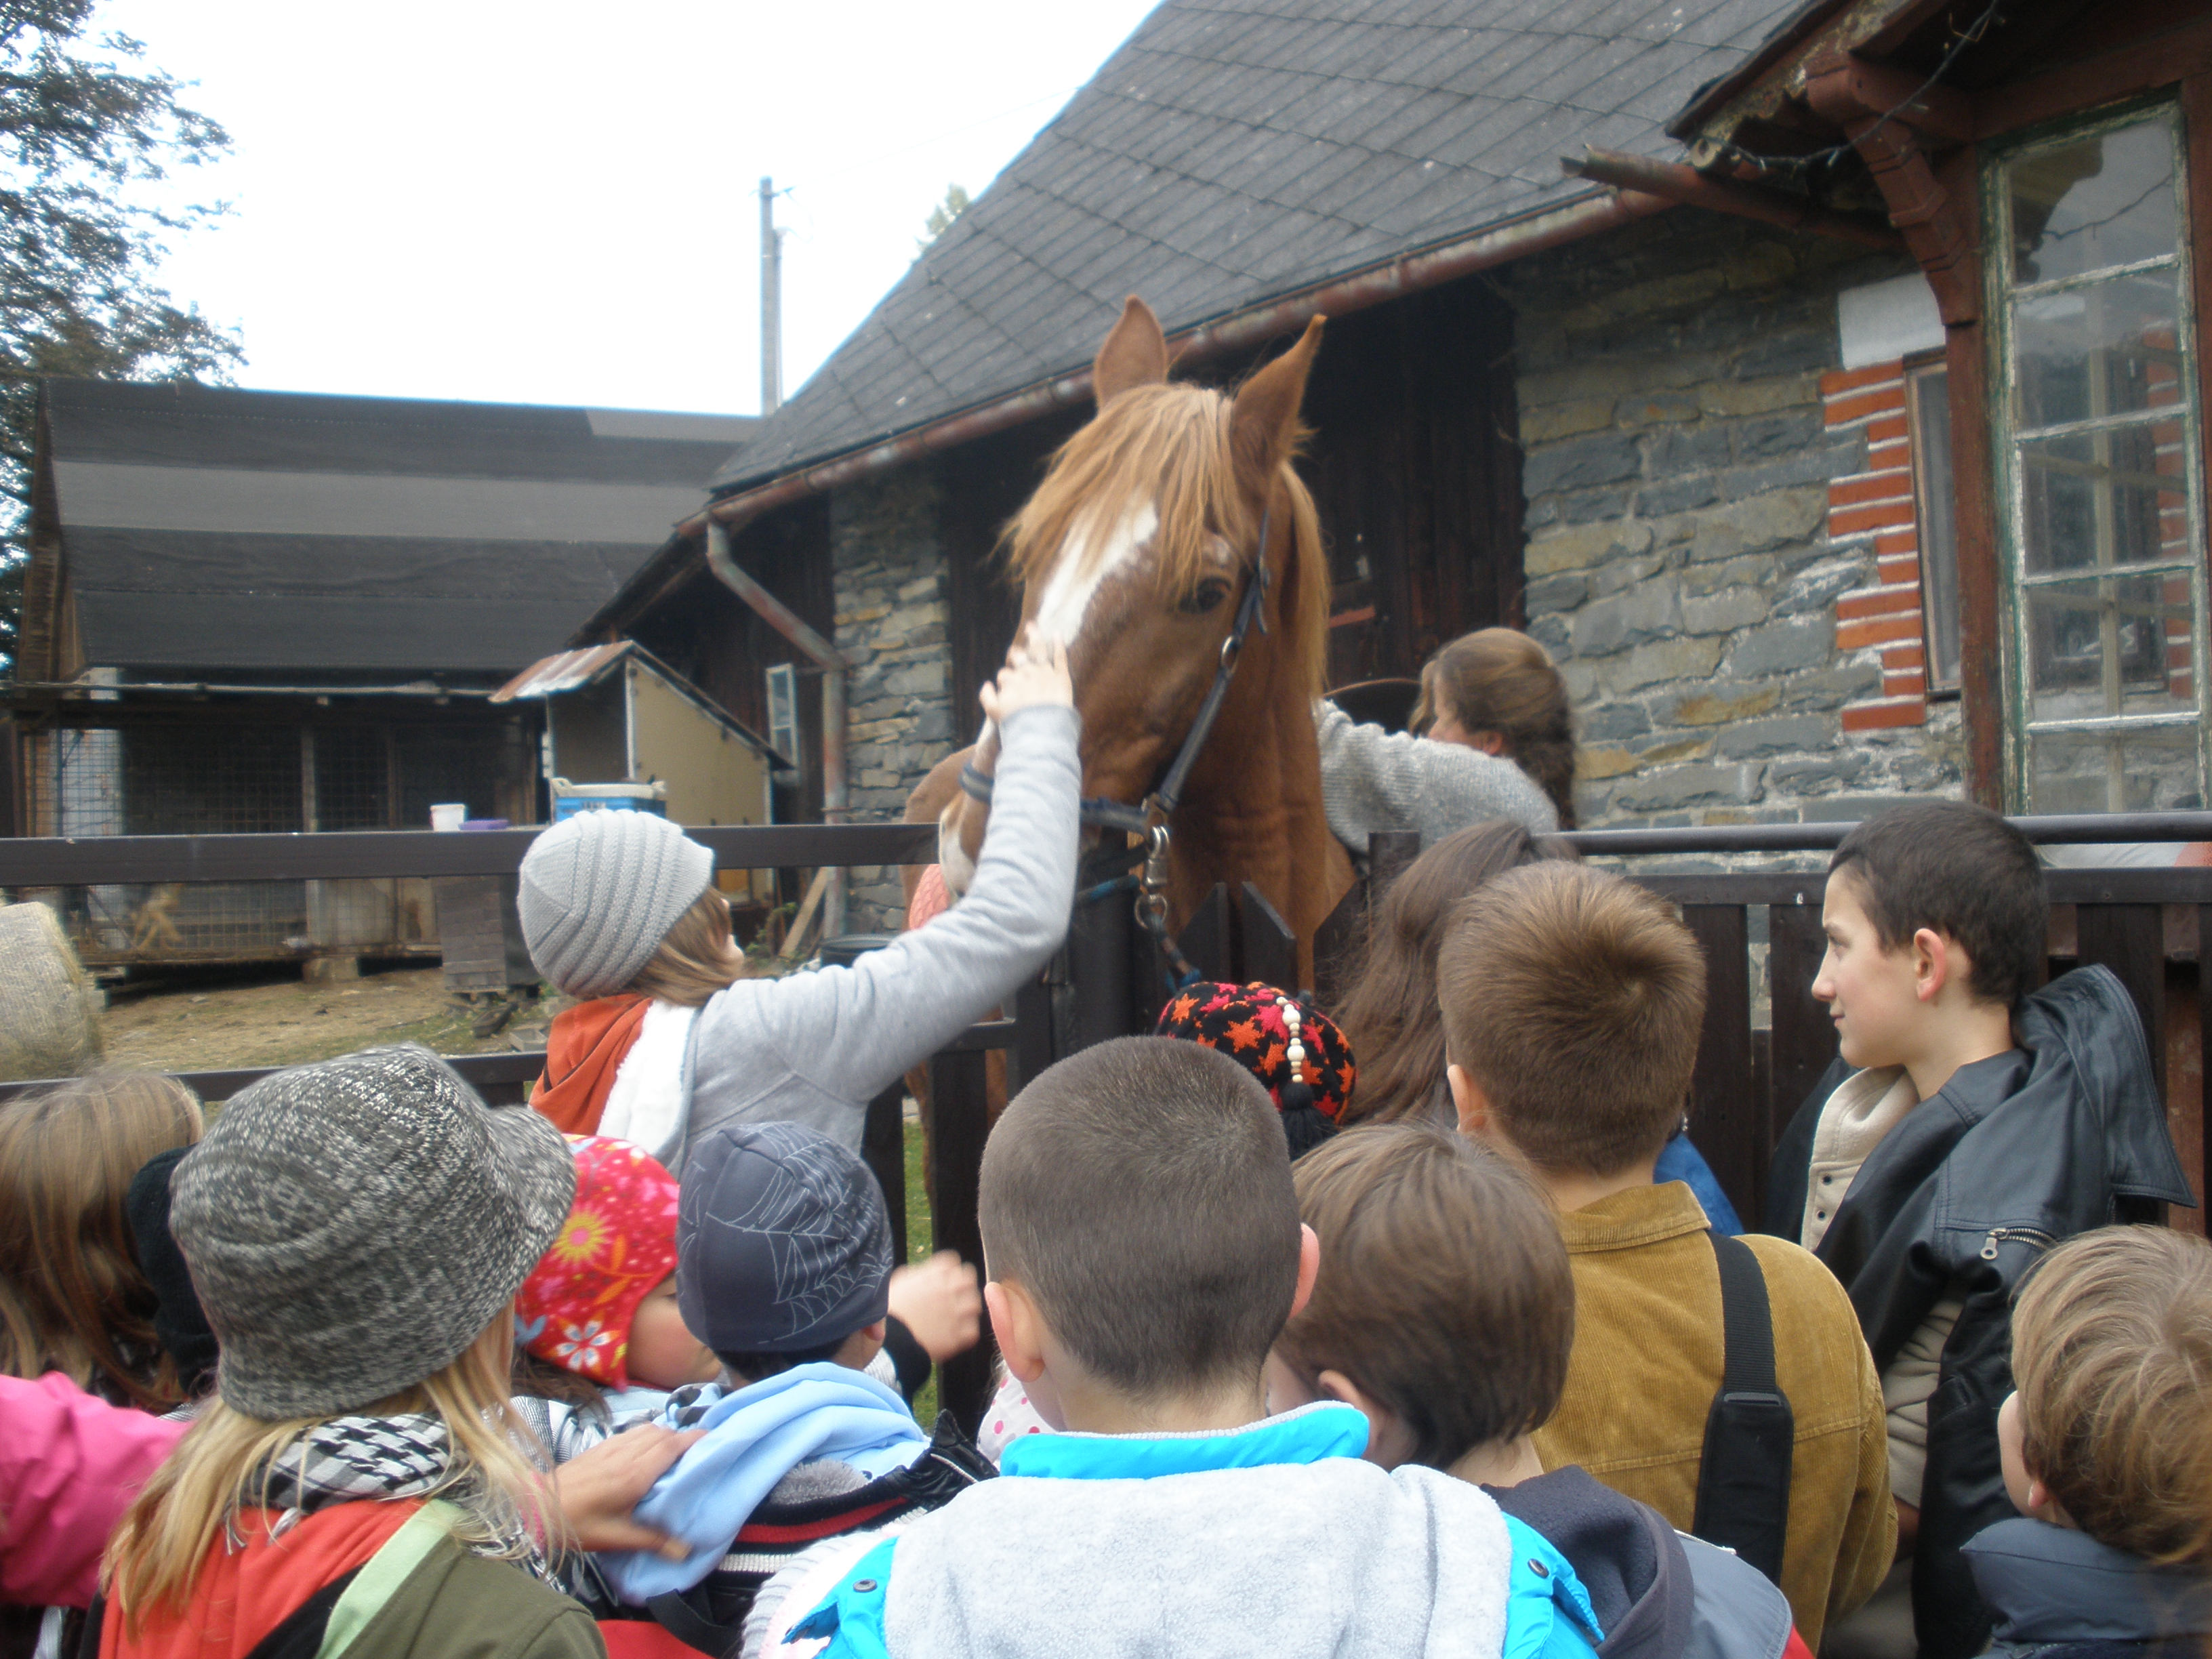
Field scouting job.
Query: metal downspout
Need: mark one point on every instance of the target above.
(836, 796)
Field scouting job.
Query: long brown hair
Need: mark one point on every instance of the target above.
(1499, 680)
(1390, 1018)
(73, 1297)
(697, 960)
(223, 1466)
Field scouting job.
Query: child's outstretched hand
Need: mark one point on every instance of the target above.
(1035, 671)
(939, 1304)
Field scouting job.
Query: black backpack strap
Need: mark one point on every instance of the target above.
(1743, 1479)
(693, 1628)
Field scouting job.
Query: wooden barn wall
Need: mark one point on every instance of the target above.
(714, 639)
(983, 485)
(1416, 469)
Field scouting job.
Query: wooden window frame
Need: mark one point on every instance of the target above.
(2007, 505)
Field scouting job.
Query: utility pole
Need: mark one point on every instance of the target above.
(771, 258)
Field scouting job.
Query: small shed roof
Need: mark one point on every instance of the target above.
(206, 528)
(1232, 151)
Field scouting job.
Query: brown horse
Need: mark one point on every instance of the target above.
(1137, 549)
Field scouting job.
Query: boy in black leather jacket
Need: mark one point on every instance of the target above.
(1968, 1127)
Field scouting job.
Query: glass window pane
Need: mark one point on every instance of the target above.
(2114, 645)
(1938, 522)
(2103, 201)
(2115, 495)
(2154, 771)
(2108, 348)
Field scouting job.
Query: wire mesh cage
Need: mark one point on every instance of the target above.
(231, 778)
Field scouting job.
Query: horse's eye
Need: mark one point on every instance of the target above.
(1206, 596)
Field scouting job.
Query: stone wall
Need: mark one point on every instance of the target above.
(887, 576)
(1678, 460)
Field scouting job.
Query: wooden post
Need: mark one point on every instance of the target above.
(1727, 1130)
(1388, 853)
(1339, 943)
(1804, 1037)
(1204, 940)
(1270, 950)
(958, 1088)
(2130, 940)
(883, 1146)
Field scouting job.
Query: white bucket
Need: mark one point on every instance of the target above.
(448, 815)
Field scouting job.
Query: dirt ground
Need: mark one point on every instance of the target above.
(211, 1025)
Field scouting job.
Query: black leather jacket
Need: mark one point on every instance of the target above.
(2065, 1133)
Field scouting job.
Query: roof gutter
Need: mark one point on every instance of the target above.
(1410, 273)
(1775, 206)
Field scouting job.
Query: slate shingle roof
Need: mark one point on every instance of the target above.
(1234, 150)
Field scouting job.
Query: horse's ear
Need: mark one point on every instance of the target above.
(1135, 354)
(1264, 423)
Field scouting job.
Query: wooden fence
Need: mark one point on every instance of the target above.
(2143, 924)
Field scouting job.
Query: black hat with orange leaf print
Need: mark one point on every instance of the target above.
(1298, 1053)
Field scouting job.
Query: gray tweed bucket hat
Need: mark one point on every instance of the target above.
(598, 892)
(353, 1225)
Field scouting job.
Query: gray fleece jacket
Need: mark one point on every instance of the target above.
(1372, 779)
(815, 1049)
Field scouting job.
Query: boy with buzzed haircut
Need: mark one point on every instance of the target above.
(1144, 1249)
(1969, 1123)
(1572, 1003)
(1444, 1309)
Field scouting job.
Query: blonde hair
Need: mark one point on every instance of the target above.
(1498, 679)
(2112, 1346)
(222, 1467)
(73, 1297)
(697, 958)
(1167, 447)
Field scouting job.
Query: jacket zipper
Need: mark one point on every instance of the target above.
(2042, 1241)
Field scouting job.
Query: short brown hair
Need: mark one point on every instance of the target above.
(1575, 999)
(73, 1297)
(1140, 1192)
(2111, 1352)
(1955, 868)
(1444, 1288)
(697, 959)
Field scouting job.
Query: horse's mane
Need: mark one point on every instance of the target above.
(1168, 446)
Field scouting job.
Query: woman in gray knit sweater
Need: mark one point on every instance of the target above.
(1498, 742)
(672, 1041)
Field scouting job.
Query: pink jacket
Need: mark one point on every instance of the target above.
(69, 1466)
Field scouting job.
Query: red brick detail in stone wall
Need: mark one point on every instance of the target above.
(1875, 509)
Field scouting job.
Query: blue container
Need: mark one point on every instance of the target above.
(570, 799)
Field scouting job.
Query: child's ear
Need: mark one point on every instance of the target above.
(1387, 1443)
(1309, 1269)
(1936, 961)
(1019, 1331)
(1472, 1105)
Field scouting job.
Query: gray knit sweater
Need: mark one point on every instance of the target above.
(815, 1049)
(1372, 779)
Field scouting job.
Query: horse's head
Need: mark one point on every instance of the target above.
(1137, 549)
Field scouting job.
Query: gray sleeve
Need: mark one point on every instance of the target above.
(1375, 779)
(850, 1032)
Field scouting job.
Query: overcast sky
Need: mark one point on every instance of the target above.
(555, 203)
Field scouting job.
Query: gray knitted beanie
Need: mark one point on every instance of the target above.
(353, 1225)
(598, 892)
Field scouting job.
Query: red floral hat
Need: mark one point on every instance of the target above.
(576, 1309)
(1258, 1026)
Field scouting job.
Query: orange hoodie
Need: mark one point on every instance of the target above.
(583, 1052)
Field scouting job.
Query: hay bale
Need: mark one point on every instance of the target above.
(49, 1007)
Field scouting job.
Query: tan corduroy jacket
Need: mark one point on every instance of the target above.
(1646, 1362)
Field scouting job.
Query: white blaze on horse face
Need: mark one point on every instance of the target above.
(1081, 567)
